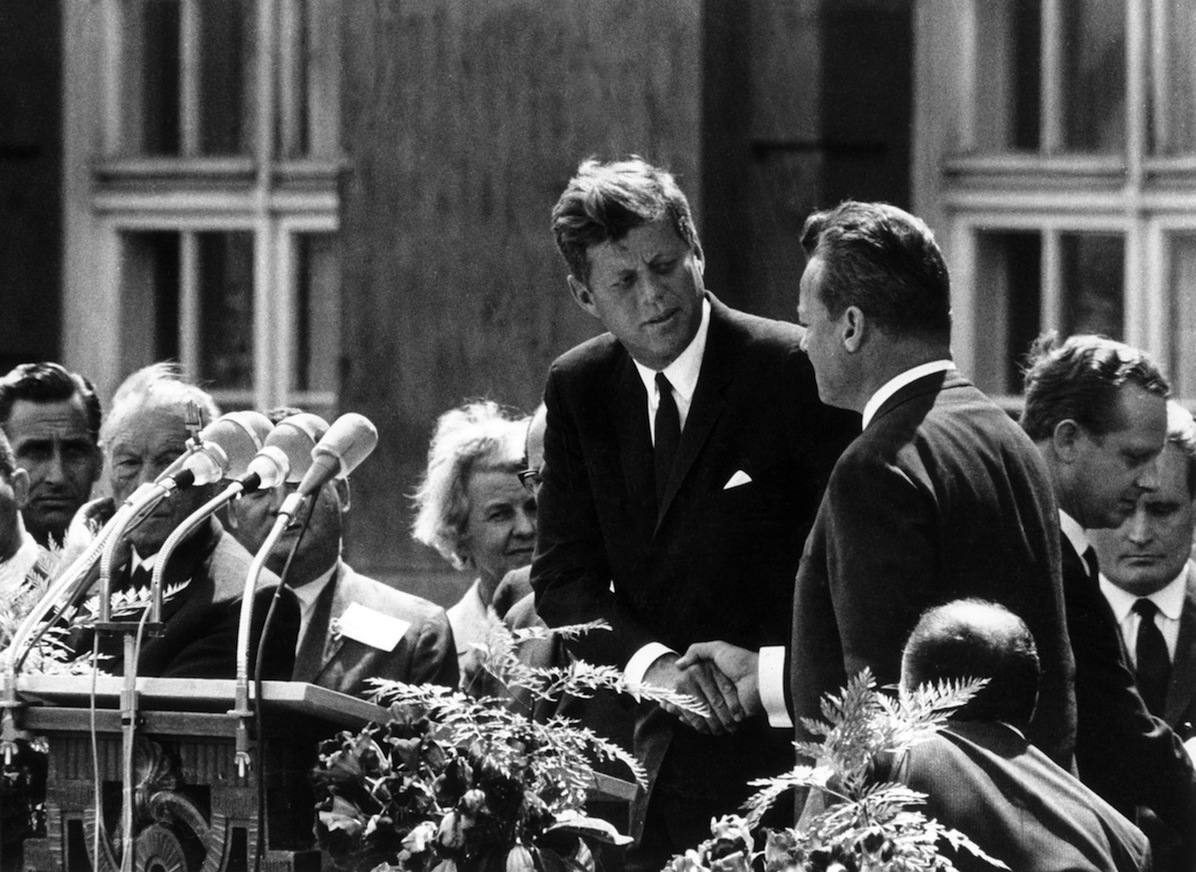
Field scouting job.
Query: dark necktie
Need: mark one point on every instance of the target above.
(1090, 562)
(1153, 670)
(668, 435)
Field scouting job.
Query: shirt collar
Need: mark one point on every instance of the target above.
(683, 372)
(470, 618)
(1169, 599)
(1075, 534)
(898, 382)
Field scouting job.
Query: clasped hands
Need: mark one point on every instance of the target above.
(722, 675)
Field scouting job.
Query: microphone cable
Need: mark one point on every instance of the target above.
(258, 665)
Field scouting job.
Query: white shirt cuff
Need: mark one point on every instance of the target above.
(772, 686)
(639, 664)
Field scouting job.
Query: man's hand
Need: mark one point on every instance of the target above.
(739, 665)
(704, 682)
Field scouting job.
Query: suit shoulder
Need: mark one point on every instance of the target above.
(594, 353)
(392, 601)
(228, 566)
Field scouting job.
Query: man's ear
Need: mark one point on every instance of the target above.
(854, 324)
(343, 494)
(1065, 439)
(582, 296)
(20, 487)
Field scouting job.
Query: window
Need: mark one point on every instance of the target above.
(1056, 159)
(210, 201)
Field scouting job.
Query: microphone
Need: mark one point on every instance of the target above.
(349, 441)
(296, 436)
(241, 435)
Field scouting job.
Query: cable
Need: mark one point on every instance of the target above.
(258, 663)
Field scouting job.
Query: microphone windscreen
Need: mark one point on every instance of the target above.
(347, 443)
(297, 435)
(241, 434)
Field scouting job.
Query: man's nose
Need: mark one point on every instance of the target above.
(1139, 530)
(54, 470)
(1148, 476)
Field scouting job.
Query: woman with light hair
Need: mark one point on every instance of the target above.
(472, 508)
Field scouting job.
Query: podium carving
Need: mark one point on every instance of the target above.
(193, 810)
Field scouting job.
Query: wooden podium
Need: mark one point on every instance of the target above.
(193, 811)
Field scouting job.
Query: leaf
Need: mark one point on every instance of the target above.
(591, 828)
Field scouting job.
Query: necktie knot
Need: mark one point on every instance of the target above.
(1093, 567)
(1146, 609)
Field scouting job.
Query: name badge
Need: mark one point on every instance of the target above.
(370, 627)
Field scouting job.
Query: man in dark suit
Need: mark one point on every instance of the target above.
(940, 497)
(146, 429)
(1097, 411)
(981, 776)
(353, 628)
(1149, 557)
(685, 455)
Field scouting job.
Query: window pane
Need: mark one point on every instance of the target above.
(317, 314)
(1182, 287)
(160, 133)
(1009, 299)
(1173, 110)
(225, 284)
(1093, 283)
(226, 76)
(1094, 74)
(1009, 77)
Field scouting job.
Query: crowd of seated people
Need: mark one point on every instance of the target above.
(757, 510)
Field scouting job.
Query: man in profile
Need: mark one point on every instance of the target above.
(685, 454)
(980, 774)
(1149, 580)
(144, 432)
(352, 628)
(1097, 412)
(52, 419)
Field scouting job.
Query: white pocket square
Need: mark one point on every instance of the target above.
(739, 478)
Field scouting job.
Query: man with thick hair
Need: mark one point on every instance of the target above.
(52, 418)
(146, 430)
(1097, 412)
(941, 496)
(685, 454)
(981, 776)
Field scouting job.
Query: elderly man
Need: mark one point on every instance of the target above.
(146, 429)
(685, 454)
(1097, 412)
(52, 419)
(353, 628)
(981, 776)
(1149, 580)
(941, 495)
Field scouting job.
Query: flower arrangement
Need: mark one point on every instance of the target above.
(863, 825)
(452, 783)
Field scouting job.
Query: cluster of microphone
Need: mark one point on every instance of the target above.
(243, 448)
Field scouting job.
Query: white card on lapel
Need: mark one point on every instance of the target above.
(371, 627)
(739, 478)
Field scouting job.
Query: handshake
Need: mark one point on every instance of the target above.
(723, 676)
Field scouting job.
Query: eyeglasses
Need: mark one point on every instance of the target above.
(531, 480)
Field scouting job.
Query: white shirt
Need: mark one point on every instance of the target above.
(1169, 600)
(14, 570)
(682, 374)
(471, 620)
(1074, 533)
(307, 594)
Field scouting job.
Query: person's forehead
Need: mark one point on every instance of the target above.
(489, 486)
(61, 419)
(149, 427)
(639, 245)
(1143, 416)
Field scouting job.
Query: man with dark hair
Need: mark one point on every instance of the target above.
(52, 418)
(1149, 580)
(941, 496)
(352, 628)
(685, 454)
(980, 774)
(1097, 411)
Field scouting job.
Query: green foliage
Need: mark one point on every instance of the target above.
(863, 825)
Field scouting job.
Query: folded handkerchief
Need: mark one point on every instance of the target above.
(737, 479)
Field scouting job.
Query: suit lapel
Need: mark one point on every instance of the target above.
(709, 401)
(1183, 676)
(318, 647)
(628, 409)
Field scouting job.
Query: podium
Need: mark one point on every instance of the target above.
(194, 812)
